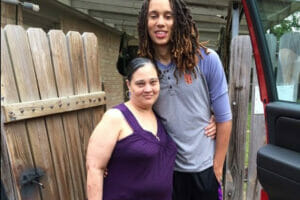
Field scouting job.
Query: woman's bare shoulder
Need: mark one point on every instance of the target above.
(112, 115)
(111, 121)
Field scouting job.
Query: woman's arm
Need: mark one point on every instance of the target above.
(100, 147)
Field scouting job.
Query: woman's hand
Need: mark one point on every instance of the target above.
(210, 130)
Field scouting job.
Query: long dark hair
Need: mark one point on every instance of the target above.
(184, 45)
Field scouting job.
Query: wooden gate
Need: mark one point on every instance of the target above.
(51, 100)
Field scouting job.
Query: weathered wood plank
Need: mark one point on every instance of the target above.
(91, 56)
(239, 84)
(18, 143)
(9, 92)
(46, 83)
(91, 52)
(27, 110)
(6, 72)
(257, 139)
(80, 82)
(78, 69)
(61, 64)
(6, 173)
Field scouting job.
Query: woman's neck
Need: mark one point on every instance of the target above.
(138, 108)
(163, 54)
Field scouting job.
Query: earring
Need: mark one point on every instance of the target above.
(127, 93)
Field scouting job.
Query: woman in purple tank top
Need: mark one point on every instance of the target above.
(132, 144)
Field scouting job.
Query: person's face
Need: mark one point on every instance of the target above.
(144, 86)
(160, 22)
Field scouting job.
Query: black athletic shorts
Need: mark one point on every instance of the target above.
(196, 186)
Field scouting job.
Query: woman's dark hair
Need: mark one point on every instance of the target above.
(137, 63)
(184, 45)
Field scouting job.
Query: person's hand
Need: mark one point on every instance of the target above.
(218, 170)
(210, 130)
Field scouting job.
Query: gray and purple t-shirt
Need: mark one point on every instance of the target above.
(184, 106)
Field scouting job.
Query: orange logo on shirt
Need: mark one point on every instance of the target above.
(188, 78)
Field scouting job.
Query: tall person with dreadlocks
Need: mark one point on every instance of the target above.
(192, 83)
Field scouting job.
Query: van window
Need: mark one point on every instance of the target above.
(281, 24)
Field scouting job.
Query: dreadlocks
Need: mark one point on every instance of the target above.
(184, 45)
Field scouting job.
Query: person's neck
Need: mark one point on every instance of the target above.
(138, 108)
(163, 54)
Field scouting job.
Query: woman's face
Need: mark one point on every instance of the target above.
(144, 86)
(160, 22)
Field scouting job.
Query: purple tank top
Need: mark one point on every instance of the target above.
(141, 165)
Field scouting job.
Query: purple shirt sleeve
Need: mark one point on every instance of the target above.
(213, 71)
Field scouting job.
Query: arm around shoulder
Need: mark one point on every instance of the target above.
(100, 148)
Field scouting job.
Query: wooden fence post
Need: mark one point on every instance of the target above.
(257, 139)
(257, 129)
(239, 84)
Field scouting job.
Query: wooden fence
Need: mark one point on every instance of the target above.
(240, 181)
(51, 100)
